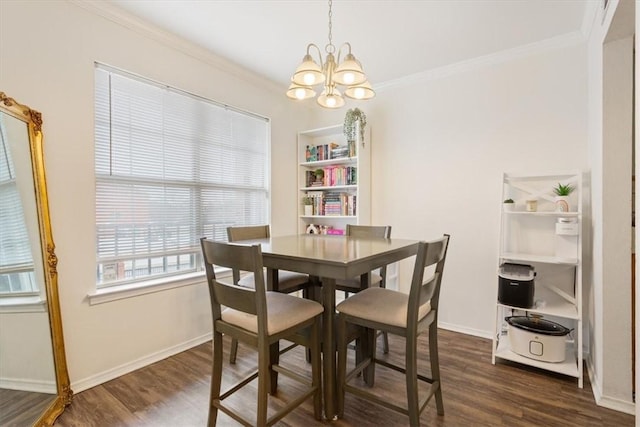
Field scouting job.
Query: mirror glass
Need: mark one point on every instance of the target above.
(34, 383)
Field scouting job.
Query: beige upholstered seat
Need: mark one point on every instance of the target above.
(260, 319)
(288, 281)
(376, 278)
(400, 314)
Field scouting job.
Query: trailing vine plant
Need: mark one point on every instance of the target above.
(354, 115)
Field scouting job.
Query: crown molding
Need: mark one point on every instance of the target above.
(563, 41)
(131, 22)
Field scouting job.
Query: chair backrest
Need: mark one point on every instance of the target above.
(248, 232)
(373, 231)
(429, 254)
(235, 234)
(237, 257)
(379, 231)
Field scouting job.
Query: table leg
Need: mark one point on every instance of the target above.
(272, 279)
(329, 346)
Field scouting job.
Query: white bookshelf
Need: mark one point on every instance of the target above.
(530, 237)
(361, 189)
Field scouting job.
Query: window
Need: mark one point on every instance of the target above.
(171, 167)
(16, 261)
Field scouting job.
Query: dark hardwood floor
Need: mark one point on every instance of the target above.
(22, 408)
(174, 392)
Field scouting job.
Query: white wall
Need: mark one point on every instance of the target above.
(617, 165)
(48, 51)
(26, 354)
(610, 142)
(440, 145)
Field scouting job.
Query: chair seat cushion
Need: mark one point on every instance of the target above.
(283, 311)
(355, 282)
(381, 305)
(286, 280)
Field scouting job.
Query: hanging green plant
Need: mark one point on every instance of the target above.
(354, 115)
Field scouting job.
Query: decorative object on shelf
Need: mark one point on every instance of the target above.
(566, 240)
(332, 72)
(562, 197)
(532, 205)
(508, 205)
(349, 128)
(311, 153)
(308, 205)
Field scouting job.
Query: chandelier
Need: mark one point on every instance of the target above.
(347, 73)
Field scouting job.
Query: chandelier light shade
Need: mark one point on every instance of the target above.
(330, 73)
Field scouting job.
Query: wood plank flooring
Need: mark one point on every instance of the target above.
(22, 408)
(174, 393)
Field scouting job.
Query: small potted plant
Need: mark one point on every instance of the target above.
(562, 193)
(308, 205)
(508, 205)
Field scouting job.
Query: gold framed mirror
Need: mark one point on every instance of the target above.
(34, 381)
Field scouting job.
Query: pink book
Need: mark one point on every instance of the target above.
(335, 231)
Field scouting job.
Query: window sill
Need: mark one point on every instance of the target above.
(130, 290)
(31, 304)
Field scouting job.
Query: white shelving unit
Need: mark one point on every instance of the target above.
(531, 238)
(360, 159)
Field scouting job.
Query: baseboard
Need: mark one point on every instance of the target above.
(94, 380)
(604, 401)
(28, 385)
(464, 330)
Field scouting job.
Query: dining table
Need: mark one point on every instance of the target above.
(330, 257)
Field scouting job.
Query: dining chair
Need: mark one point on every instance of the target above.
(259, 318)
(378, 278)
(396, 313)
(288, 281)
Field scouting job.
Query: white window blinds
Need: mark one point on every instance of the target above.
(170, 168)
(16, 260)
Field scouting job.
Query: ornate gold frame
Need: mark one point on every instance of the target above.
(33, 119)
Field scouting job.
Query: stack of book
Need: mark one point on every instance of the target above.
(333, 203)
(320, 152)
(331, 176)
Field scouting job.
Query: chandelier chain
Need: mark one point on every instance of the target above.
(330, 48)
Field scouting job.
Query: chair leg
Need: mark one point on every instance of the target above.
(216, 378)
(385, 343)
(264, 368)
(341, 368)
(435, 365)
(412, 380)
(233, 352)
(316, 369)
(369, 352)
(274, 359)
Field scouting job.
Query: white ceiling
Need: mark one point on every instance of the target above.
(391, 38)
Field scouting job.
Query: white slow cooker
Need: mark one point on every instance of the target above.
(537, 338)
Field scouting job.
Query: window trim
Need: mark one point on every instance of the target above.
(102, 293)
(23, 304)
